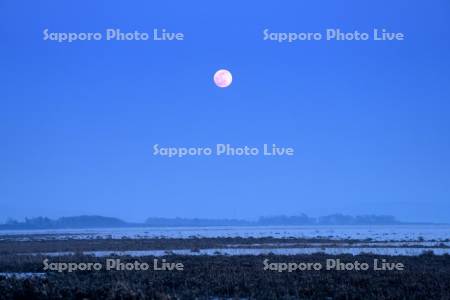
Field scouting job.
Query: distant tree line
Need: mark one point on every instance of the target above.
(65, 222)
(302, 219)
(103, 222)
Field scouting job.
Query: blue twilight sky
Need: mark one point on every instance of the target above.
(370, 121)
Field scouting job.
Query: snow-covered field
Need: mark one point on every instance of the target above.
(261, 251)
(22, 275)
(375, 233)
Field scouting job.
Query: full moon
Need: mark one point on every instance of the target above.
(223, 78)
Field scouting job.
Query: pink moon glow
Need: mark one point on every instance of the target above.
(223, 78)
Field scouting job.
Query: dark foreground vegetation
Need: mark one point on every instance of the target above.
(230, 277)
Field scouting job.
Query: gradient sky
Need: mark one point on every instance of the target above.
(370, 121)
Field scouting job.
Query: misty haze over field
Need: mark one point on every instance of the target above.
(109, 222)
